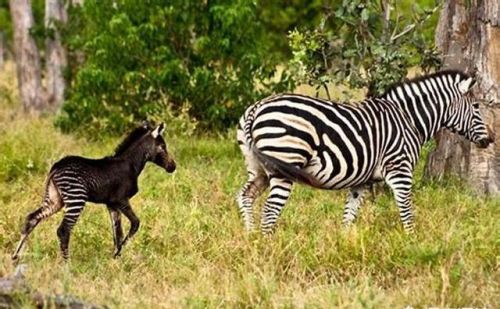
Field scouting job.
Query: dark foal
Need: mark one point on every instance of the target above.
(111, 180)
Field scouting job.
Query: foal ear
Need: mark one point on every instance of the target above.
(146, 124)
(158, 130)
(465, 85)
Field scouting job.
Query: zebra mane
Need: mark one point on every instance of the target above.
(418, 79)
(131, 138)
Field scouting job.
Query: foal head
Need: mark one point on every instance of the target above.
(158, 149)
(148, 141)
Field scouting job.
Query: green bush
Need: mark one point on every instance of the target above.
(366, 44)
(144, 57)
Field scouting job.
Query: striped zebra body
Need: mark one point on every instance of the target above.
(308, 129)
(293, 138)
(112, 180)
(73, 188)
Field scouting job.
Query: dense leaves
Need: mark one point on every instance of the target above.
(143, 58)
(366, 44)
(6, 30)
(281, 17)
(204, 61)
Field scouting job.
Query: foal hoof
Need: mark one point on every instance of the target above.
(117, 254)
(15, 259)
(65, 256)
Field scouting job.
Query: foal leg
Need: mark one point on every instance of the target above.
(353, 203)
(52, 203)
(278, 195)
(73, 210)
(116, 224)
(125, 209)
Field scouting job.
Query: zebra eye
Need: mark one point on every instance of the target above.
(475, 105)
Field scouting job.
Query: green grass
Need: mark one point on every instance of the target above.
(192, 251)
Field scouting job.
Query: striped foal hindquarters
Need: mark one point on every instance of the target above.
(291, 138)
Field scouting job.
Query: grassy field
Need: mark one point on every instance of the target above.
(192, 251)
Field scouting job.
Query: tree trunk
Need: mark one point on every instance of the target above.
(469, 39)
(2, 49)
(55, 13)
(27, 56)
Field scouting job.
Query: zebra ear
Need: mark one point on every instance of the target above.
(465, 85)
(158, 130)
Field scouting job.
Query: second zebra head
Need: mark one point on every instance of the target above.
(464, 117)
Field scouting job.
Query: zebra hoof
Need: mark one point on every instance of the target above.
(409, 230)
(249, 228)
(267, 232)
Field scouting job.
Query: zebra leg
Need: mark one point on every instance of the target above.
(134, 223)
(72, 211)
(352, 205)
(401, 183)
(51, 204)
(116, 224)
(252, 189)
(278, 195)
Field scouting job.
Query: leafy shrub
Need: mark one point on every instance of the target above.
(143, 57)
(365, 44)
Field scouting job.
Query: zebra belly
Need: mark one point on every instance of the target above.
(332, 172)
(330, 165)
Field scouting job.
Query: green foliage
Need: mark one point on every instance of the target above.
(6, 29)
(144, 57)
(281, 17)
(366, 44)
(5, 22)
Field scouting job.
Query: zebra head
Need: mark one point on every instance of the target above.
(159, 154)
(464, 116)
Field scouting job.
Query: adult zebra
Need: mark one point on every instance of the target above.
(293, 138)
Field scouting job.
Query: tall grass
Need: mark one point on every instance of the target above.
(192, 251)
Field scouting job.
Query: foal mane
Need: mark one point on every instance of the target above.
(128, 141)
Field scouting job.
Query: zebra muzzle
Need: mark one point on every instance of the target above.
(485, 142)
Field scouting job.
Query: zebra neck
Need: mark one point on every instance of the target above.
(426, 115)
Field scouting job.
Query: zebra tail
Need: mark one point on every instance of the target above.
(285, 169)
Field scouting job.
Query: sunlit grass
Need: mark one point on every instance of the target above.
(192, 251)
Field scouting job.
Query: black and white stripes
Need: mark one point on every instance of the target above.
(111, 180)
(289, 138)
